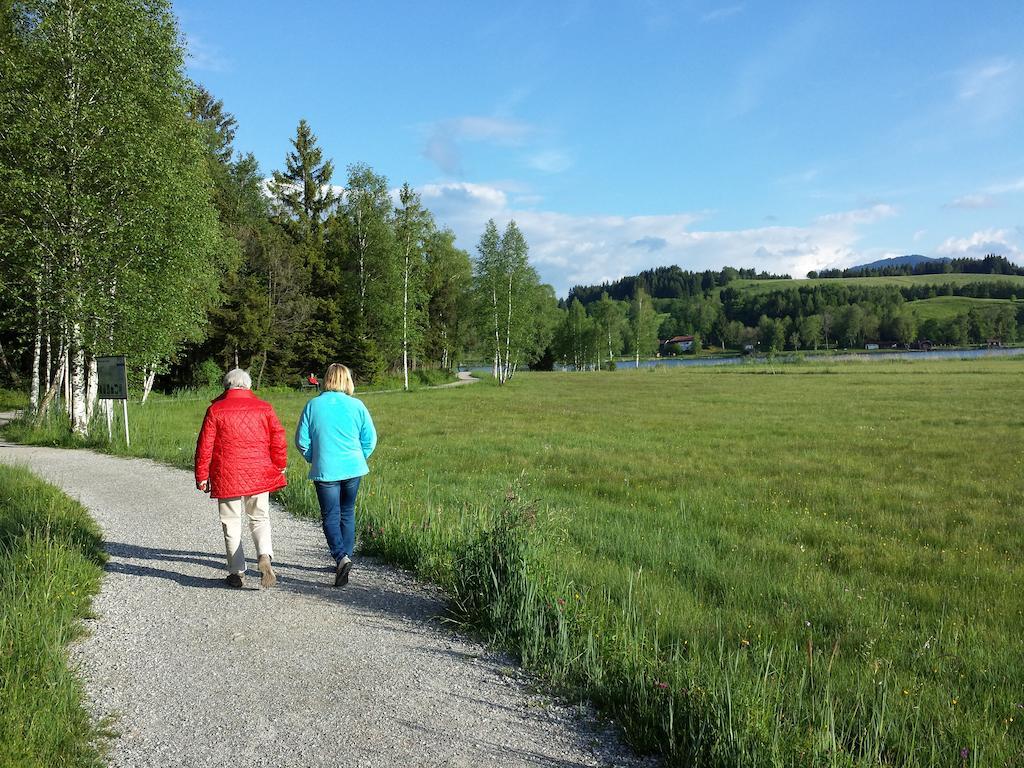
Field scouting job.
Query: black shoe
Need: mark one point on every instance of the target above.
(341, 574)
(234, 581)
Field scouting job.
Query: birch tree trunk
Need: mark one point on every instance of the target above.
(53, 385)
(92, 391)
(65, 376)
(147, 382)
(33, 397)
(497, 336)
(639, 322)
(507, 365)
(259, 378)
(405, 318)
(361, 245)
(79, 422)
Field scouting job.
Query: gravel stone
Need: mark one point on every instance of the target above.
(192, 673)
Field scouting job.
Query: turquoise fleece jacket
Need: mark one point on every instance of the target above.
(336, 436)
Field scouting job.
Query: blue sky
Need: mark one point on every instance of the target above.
(624, 135)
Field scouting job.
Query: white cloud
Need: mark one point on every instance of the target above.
(583, 249)
(549, 161)
(975, 82)
(203, 56)
(868, 215)
(982, 243)
(445, 137)
(1008, 186)
(725, 12)
(769, 68)
(801, 177)
(989, 90)
(972, 202)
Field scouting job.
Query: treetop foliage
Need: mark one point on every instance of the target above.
(667, 283)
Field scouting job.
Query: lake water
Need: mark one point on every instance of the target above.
(938, 354)
(963, 354)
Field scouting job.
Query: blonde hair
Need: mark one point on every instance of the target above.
(338, 379)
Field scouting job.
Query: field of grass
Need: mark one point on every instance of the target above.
(957, 278)
(816, 566)
(50, 566)
(12, 399)
(944, 307)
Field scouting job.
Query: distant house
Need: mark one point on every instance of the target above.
(995, 343)
(871, 345)
(922, 345)
(676, 344)
(748, 349)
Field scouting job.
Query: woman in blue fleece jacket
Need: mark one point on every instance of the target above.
(336, 436)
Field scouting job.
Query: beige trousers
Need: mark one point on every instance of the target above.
(257, 508)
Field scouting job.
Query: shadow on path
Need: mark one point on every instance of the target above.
(307, 581)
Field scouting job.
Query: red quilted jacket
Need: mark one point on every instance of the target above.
(241, 447)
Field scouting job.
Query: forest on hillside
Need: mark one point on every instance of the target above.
(786, 315)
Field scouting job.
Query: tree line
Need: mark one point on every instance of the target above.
(130, 224)
(992, 264)
(670, 282)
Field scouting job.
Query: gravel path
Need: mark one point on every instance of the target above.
(196, 674)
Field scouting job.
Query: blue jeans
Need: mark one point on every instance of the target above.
(338, 513)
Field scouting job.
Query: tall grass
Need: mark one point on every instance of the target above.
(815, 564)
(50, 566)
(12, 399)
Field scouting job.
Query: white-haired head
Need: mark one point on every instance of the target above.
(236, 378)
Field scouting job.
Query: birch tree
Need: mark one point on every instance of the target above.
(507, 289)
(577, 338)
(643, 324)
(488, 273)
(610, 316)
(447, 282)
(369, 293)
(413, 225)
(114, 211)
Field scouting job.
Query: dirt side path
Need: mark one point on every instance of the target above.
(300, 675)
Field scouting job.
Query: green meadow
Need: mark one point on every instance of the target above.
(806, 564)
(943, 307)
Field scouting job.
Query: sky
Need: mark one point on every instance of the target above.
(620, 136)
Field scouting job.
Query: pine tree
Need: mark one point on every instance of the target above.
(302, 192)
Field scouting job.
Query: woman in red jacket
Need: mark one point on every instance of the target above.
(241, 456)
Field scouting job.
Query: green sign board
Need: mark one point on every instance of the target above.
(111, 377)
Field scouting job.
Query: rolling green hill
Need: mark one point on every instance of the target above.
(943, 307)
(952, 278)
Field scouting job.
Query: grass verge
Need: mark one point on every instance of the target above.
(50, 566)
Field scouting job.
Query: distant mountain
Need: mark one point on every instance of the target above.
(911, 260)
